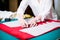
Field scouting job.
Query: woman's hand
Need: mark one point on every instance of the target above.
(33, 21)
(23, 23)
(21, 20)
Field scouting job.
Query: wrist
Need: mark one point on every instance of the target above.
(37, 18)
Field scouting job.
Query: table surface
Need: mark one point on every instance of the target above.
(53, 33)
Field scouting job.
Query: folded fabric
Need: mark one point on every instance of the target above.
(27, 33)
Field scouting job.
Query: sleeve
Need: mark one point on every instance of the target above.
(45, 6)
(22, 7)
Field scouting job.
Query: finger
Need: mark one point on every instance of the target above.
(38, 20)
(33, 24)
(23, 25)
(26, 24)
(30, 25)
(42, 18)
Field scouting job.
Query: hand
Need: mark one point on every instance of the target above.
(21, 20)
(32, 22)
(23, 23)
(40, 18)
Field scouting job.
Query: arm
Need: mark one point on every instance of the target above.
(45, 6)
(21, 9)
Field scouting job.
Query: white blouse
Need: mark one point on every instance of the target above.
(45, 7)
(41, 7)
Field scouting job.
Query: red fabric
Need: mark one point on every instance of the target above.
(15, 32)
(39, 23)
(23, 36)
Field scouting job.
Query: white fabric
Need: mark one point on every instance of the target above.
(13, 24)
(5, 14)
(41, 29)
(45, 6)
(42, 8)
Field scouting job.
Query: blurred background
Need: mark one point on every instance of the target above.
(12, 5)
(57, 7)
